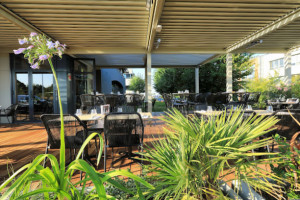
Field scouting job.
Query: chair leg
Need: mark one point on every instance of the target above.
(46, 152)
(112, 157)
(96, 146)
(105, 149)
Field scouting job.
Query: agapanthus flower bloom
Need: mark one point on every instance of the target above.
(43, 57)
(32, 34)
(23, 41)
(57, 44)
(50, 44)
(35, 66)
(30, 47)
(19, 51)
(40, 49)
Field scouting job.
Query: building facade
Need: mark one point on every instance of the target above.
(35, 92)
(269, 65)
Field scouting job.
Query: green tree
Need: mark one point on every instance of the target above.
(137, 84)
(212, 76)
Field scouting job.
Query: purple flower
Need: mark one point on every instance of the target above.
(64, 46)
(50, 44)
(35, 66)
(57, 44)
(20, 50)
(32, 34)
(30, 47)
(23, 41)
(43, 57)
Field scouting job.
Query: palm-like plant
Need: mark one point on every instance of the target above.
(198, 153)
(57, 179)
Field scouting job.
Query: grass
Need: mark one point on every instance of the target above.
(159, 107)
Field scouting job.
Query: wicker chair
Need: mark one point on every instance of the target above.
(134, 100)
(9, 112)
(75, 132)
(123, 130)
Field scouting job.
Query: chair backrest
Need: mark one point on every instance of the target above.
(11, 110)
(134, 99)
(123, 129)
(88, 102)
(168, 98)
(253, 97)
(74, 130)
(287, 126)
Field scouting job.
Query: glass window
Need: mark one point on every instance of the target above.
(277, 63)
(83, 66)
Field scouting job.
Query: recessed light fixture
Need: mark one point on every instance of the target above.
(158, 28)
(158, 43)
(148, 4)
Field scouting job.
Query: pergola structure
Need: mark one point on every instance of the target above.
(208, 27)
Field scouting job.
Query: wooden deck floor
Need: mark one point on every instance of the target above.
(21, 143)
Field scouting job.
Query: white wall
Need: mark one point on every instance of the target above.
(5, 83)
(265, 67)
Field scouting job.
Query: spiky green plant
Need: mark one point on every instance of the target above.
(57, 179)
(197, 153)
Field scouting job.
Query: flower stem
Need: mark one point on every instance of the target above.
(62, 132)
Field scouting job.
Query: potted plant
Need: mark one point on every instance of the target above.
(197, 154)
(55, 181)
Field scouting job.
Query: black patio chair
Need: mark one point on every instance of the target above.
(99, 101)
(253, 98)
(74, 129)
(123, 130)
(88, 102)
(217, 100)
(134, 100)
(9, 112)
(113, 101)
(172, 103)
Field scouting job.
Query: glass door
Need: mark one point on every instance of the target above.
(84, 77)
(22, 97)
(34, 95)
(42, 90)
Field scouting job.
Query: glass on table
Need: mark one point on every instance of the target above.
(249, 107)
(139, 110)
(120, 109)
(78, 112)
(209, 109)
(269, 108)
(93, 112)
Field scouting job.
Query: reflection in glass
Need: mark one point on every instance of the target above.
(83, 66)
(22, 96)
(42, 94)
(84, 85)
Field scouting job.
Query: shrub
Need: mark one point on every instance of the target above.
(197, 154)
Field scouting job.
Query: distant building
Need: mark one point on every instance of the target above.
(268, 65)
(128, 75)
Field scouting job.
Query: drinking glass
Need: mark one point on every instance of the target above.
(139, 110)
(249, 107)
(270, 108)
(209, 109)
(120, 109)
(93, 112)
(78, 112)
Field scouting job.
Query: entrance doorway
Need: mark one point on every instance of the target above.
(34, 95)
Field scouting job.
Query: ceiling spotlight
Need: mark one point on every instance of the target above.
(148, 4)
(252, 44)
(158, 43)
(158, 28)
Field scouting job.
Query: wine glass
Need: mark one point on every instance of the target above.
(78, 112)
(209, 109)
(139, 110)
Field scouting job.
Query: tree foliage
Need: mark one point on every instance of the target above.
(212, 76)
(137, 84)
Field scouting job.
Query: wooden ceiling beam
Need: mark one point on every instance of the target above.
(283, 21)
(158, 6)
(18, 21)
